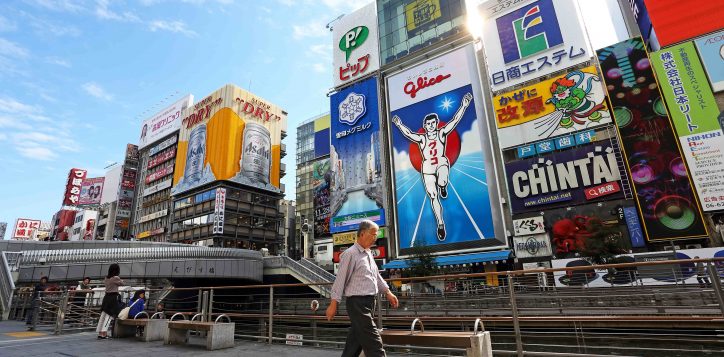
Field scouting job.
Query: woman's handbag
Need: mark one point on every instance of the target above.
(124, 313)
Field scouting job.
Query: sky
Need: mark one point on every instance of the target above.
(77, 77)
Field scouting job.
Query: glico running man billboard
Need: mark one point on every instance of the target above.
(356, 182)
(230, 135)
(446, 191)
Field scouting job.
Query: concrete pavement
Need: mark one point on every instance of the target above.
(15, 341)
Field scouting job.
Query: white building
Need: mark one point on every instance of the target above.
(84, 225)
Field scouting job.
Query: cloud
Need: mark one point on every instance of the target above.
(312, 29)
(33, 151)
(12, 49)
(320, 67)
(402, 161)
(105, 13)
(193, 2)
(44, 27)
(9, 123)
(171, 26)
(59, 5)
(7, 25)
(12, 106)
(471, 138)
(58, 61)
(3, 136)
(97, 91)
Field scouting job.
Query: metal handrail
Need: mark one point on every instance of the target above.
(158, 313)
(131, 254)
(412, 327)
(176, 314)
(142, 312)
(228, 319)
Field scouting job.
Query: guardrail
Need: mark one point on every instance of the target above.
(7, 284)
(34, 257)
(317, 269)
(525, 315)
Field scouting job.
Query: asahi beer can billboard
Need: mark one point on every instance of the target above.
(446, 189)
(230, 135)
(164, 122)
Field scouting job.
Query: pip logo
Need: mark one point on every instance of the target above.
(353, 39)
(529, 30)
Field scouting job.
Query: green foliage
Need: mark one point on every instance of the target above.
(422, 262)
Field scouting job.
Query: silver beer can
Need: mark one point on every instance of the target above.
(196, 154)
(256, 153)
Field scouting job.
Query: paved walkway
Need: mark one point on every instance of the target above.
(15, 341)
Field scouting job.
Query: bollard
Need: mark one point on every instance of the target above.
(481, 345)
(210, 306)
(271, 313)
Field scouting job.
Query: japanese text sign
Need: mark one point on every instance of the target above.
(73, 187)
(531, 39)
(24, 228)
(354, 41)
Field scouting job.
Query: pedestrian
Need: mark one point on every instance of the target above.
(35, 303)
(80, 299)
(701, 276)
(111, 305)
(359, 281)
(136, 305)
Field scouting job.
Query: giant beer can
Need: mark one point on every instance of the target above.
(196, 154)
(256, 153)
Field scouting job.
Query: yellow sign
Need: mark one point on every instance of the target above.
(421, 12)
(571, 94)
(351, 237)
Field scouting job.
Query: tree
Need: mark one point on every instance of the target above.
(422, 262)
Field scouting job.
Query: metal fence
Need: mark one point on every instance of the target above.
(672, 308)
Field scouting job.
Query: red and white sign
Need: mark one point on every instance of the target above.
(89, 228)
(676, 21)
(73, 186)
(378, 252)
(602, 190)
(91, 190)
(355, 45)
(24, 228)
(163, 172)
(164, 122)
(161, 158)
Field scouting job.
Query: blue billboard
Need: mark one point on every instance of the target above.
(356, 185)
(439, 166)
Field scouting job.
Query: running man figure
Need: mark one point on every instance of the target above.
(435, 165)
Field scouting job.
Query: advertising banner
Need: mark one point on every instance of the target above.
(641, 15)
(694, 111)
(348, 238)
(157, 187)
(711, 50)
(159, 174)
(162, 145)
(164, 122)
(532, 246)
(24, 228)
(676, 21)
(667, 274)
(663, 190)
(321, 136)
(320, 183)
(230, 135)
(531, 39)
(528, 226)
(568, 178)
(131, 153)
(356, 185)
(90, 191)
(439, 164)
(73, 187)
(355, 43)
(161, 158)
(561, 105)
(3, 229)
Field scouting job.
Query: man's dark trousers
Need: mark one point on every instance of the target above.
(363, 333)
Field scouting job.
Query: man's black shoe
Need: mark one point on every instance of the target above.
(441, 233)
(443, 191)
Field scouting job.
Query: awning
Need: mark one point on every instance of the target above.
(444, 260)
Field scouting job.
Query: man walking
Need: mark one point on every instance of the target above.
(359, 281)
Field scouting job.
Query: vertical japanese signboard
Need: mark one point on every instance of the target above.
(320, 183)
(663, 190)
(356, 167)
(354, 45)
(164, 122)
(73, 187)
(694, 112)
(219, 209)
(445, 186)
(531, 39)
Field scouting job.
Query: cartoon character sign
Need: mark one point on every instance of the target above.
(445, 187)
(554, 107)
(435, 164)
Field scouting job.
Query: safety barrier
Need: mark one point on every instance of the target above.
(658, 310)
